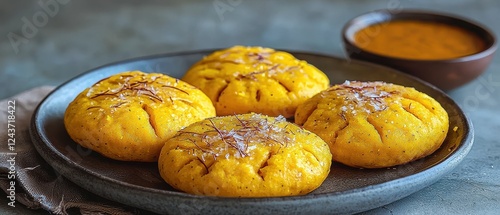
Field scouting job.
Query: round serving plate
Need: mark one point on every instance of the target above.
(346, 190)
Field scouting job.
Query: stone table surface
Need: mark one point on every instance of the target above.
(48, 47)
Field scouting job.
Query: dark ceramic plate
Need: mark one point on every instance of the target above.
(346, 190)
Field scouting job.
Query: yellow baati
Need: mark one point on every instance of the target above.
(247, 155)
(375, 124)
(256, 79)
(130, 115)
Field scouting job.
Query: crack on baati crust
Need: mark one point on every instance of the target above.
(308, 115)
(379, 130)
(263, 165)
(430, 109)
(185, 163)
(220, 91)
(305, 150)
(408, 109)
(257, 95)
(284, 86)
(151, 119)
(341, 129)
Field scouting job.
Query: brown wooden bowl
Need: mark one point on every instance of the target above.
(446, 74)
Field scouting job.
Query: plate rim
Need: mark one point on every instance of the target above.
(449, 163)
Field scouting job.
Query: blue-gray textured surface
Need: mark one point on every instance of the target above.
(81, 35)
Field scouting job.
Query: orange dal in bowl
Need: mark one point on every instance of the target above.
(420, 40)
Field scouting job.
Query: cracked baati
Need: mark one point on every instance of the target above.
(247, 155)
(375, 124)
(130, 115)
(255, 79)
